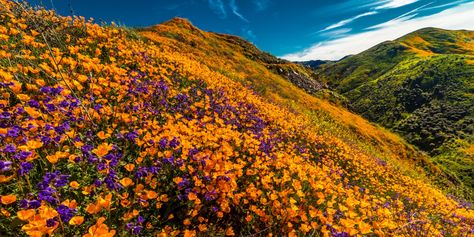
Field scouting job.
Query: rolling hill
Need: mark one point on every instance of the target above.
(170, 130)
(420, 85)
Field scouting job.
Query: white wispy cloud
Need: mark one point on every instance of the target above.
(400, 19)
(235, 10)
(447, 4)
(336, 33)
(388, 4)
(347, 21)
(393, 22)
(459, 17)
(218, 7)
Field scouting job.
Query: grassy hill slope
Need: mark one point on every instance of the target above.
(261, 72)
(108, 132)
(421, 86)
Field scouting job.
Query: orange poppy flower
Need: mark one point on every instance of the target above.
(25, 214)
(129, 167)
(186, 222)
(103, 149)
(125, 203)
(364, 228)
(4, 179)
(8, 199)
(192, 196)
(100, 229)
(102, 135)
(70, 204)
(189, 233)
(229, 232)
(93, 208)
(76, 220)
(53, 159)
(126, 181)
(7, 77)
(151, 195)
(202, 227)
(105, 202)
(34, 144)
(32, 112)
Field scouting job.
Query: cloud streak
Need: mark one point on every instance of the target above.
(459, 17)
(347, 21)
(400, 19)
(219, 8)
(389, 4)
(336, 33)
(235, 10)
(447, 4)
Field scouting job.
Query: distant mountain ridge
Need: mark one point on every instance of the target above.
(315, 64)
(420, 85)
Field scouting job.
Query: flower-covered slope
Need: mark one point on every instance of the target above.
(270, 77)
(103, 133)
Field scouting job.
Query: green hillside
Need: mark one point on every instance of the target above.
(420, 85)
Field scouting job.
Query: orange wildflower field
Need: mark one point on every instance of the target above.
(106, 132)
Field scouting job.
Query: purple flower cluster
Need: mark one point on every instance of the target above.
(52, 91)
(25, 168)
(49, 185)
(136, 227)
(30, 204)
(5, 166)
(65, 212)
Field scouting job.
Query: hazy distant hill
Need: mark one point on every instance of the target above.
(315, 64)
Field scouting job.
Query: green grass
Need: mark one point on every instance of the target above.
(420, 86)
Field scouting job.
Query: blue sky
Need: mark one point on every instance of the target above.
(296, 30)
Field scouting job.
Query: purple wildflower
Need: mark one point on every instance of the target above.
(5, 166)
(174, 143)
(163, 142)
(9, 148)
(65, 212)
(51, 222)
(13, 132)
(25, 168)
(136, 230)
